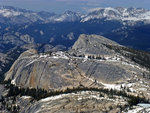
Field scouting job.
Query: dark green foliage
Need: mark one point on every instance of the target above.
(92, 57)
(140, 57)
(134, 100)
(41, 93)
(5, 82)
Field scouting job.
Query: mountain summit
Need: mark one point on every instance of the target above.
(122, 14)
(90, 59)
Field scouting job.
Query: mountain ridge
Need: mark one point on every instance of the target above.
(106, 76)
(34, 70)
(121, 14)
(52, 32)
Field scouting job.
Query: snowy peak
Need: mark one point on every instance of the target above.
(14, 8)
(105, 11)
(122, 14)
(67, 16)
(9, 11)
(28, 16)
(100, 13)
(22, 16)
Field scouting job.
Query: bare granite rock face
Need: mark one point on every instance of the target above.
(93, 45)
(90, 63)
(59, 70)
(81, 102)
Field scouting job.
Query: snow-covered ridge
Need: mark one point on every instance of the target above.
(140, 108)
(122, 14)
(67, 16)
(9, 13)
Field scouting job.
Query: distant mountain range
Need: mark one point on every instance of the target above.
(127, 26)
(68, 66)
(15, 15)
(47, 31)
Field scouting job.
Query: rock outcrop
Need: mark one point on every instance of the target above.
(58, 70)
(90, 63)
(93, 45)
(81, 102)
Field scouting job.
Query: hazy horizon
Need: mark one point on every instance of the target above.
(60, 6)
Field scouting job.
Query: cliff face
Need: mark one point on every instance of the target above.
(49, 72)
(59, 70)
(93, 45)
(42, 71)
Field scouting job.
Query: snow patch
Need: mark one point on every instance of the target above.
(13, 81)
(124, 14)
(9, 13)
(60, 54)
(112, 86)
(26, 97)
(145, 108)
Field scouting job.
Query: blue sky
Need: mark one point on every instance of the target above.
(60, 6)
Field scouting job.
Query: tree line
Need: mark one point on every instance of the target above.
(39, 93)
